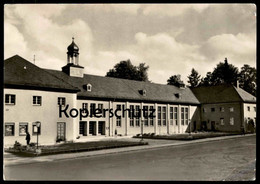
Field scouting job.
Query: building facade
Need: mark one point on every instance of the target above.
(226, 108)
(74, 106)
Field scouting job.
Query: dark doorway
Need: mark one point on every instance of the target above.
(92, 127)
(194, 126)
(213, 126)
(101, 127)
(83, 128)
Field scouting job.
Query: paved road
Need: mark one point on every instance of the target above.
(231, 159)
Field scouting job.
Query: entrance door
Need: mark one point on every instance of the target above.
(83, 128)
(101, 127)
(61, 130)
(213, 125)
(92, 127)
(194, 126)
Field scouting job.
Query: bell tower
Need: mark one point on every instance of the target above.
(73, 68)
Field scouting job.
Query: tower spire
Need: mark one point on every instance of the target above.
(73, 53)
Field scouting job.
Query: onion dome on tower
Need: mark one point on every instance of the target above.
(73, 68)
(73, 53)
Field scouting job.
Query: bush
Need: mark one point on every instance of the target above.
(32, 144)
(17, 144)
(59, 140)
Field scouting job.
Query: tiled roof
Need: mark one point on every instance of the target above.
(246, 97)
(223, 93)
(21, 73)
(114, 88)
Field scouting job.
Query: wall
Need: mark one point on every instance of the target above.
(47, 114)
(215, 116)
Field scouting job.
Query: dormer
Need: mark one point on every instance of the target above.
(142, 92)
(178, 95)
(87, 87)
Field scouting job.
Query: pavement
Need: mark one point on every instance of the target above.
(10, 159)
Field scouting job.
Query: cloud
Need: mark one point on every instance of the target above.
(240, 48)
(44, 37)
(14, 42)
(193, 41)
(131, 9)
(172, 9)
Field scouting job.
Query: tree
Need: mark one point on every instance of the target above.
(225, 73)
(125, 70)
(207, 80)
(247, 79)
(175, 80)
(194, 78)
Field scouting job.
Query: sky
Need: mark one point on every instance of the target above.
(170, 38)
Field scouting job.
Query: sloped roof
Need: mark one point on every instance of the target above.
(223, 93)
(21, 73)
(245, 96)
(114, 88)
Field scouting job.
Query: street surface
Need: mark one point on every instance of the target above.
(231, 159)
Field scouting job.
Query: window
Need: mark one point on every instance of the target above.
(151, 118)
(9, 129)
(137, 113)
(118, 119)
(37, 100)
(100, 106)
(23, 128)
(186, 115)
(164, 116)
(145, 108)
(81, 127)
(176, 115)
(85, 106)
(222, 121)
(212, 109)
(159, 116)
(248, 108)
(221, 109)
(35, 129)
(231, 109)
(171, 115)
(231, 121)
(131, 115)
(92, 109)
(204, 109)
(10, 99)
(61, 101)
(182, 116)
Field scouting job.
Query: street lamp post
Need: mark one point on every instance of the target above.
(142, 128)
(190, 127)
(38, 124)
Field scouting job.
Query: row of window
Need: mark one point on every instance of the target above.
(231, 121)
(248, 108)
(23, 128)
(10, 99)
(161, 114)
(222, 109)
